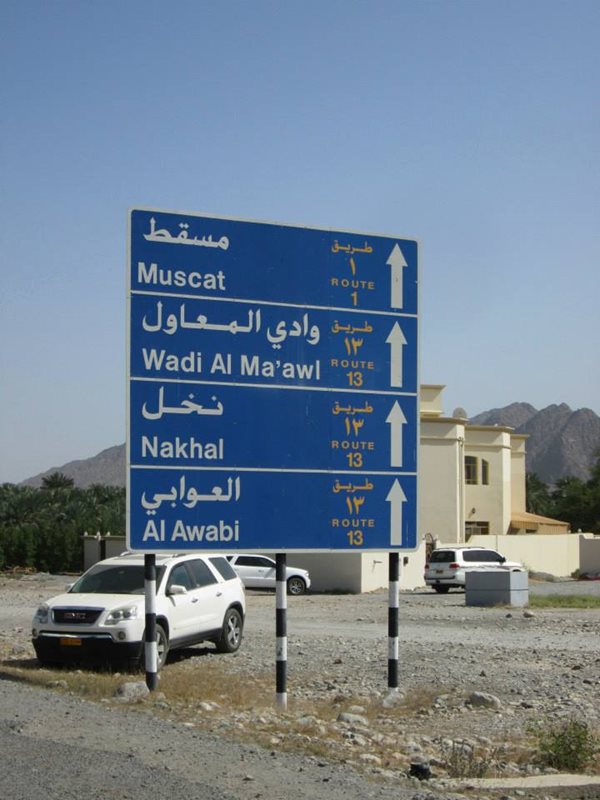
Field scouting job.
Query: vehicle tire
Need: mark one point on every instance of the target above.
(441, 589)
(231, 632)
(162, 646)
(296, 585)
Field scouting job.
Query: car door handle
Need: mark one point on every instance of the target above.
(194, 599)
(219, 594)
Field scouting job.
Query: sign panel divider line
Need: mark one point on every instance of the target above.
(356, 473)
(276, 304)
(300, 388)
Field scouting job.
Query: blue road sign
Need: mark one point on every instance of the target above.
(273, 387)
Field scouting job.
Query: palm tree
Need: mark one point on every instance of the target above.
(538, 496)
(57, 480)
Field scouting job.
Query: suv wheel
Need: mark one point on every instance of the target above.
(162, 647)
(296, 585)
(231, 633)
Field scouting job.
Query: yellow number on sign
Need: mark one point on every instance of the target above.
(355, 538)
(355, 378)
(354, 460)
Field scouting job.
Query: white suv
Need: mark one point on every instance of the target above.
(102, 616)
(258, 572)
(446, 566)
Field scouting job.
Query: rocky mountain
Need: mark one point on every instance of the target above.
(561, 441)
(107, 468)
(512, 416)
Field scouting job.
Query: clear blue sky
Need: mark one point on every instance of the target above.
(471, 126)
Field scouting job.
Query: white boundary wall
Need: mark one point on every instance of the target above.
(556, 554)
(359, 572)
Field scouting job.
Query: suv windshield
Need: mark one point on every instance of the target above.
(114, 579)
(442, 556)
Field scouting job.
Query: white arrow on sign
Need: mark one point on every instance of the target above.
(397, 262)
(396, 340)
(396, 498)
(396, 421)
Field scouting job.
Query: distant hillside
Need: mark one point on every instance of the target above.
(108, 468)
(561, 441)
(512, 416)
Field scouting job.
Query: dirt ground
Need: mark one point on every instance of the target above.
(531, 668)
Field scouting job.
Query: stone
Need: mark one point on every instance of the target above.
(484, 700)
(131, 691)
(353, 719)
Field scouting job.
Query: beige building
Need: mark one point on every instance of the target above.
(472, 478)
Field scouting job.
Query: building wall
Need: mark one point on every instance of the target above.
(441, 498)
(96, 548)
(518, 472)
(412, 567)
(556, 554)
(359, 572)
(333, 571)
(489, 503)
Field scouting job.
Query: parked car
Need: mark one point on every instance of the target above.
(258, 572)
(101, 617)
(446, 566)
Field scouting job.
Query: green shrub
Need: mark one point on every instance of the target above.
(566, 745)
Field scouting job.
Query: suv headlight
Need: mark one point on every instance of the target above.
(121, 614)
(41, 615)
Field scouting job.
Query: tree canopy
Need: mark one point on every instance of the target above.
(570, 500)
(42, 528)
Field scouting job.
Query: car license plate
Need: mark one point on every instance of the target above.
(70, 641)
(439, 572)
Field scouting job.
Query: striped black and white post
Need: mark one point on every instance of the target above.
(150, 648)
(281, 632)
(394, 602)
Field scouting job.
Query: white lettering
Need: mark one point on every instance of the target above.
(290, 370)
(152, 533)
(206, 533)
(221, 364)
(153, 447)
(159, 276)
(156, 359)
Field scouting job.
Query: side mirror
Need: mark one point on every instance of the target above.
(175, 589)
(502, 559)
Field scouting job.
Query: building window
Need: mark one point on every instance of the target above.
(485, 472)
(470, 469)
(479, 528)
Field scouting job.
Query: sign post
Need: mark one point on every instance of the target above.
(273, 387)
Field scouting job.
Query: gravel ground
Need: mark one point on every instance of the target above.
(472, 682)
